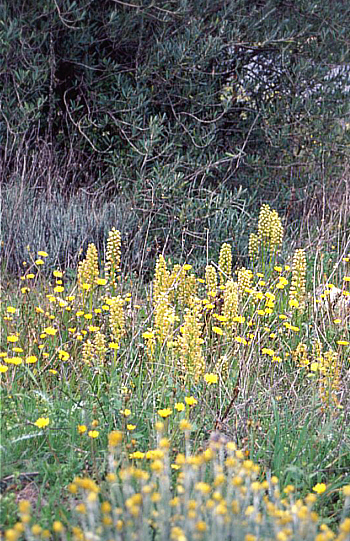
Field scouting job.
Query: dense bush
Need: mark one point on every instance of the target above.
(176, 105)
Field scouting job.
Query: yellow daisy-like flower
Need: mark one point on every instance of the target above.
(42, 422)
(31, 359)
(185, 425)
(343, 342)
(131, 427)
(211, 378)
(50, 331)
(82, 429)
(93, 433)
(58, 289)
(12, 338)
(126, 412)
(115, 438)
(218, 331)
(179, 406)
(165, 412)
(320, 488)
(43, 254)
(190, 400)
(137, 454)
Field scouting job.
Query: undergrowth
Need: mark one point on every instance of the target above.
(222, 395)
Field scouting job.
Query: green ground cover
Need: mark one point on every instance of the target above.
(208, 403)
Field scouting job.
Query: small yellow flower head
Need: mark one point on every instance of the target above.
(211, 378)
(185, 425)
(36, 529)
(12, 338)
(179, 406)
(93, 434)
(42, 422)
(225, 263)
(24, 506)
(115, 438)
(159, 426)
(57, 526)
(50, 331)
(344, 528)
(190, 400)
(165, 412)
(31, 359)
(320, 488)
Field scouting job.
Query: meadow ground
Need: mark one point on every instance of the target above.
(208, 404)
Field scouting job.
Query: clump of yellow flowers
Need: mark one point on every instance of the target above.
(88, 270)
(270, 232)
(297, 290)
(113, 255)
(216, 495)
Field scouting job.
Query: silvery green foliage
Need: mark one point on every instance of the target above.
(64, 226)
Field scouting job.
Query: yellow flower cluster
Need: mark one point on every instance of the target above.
(297, 290)
(113, 256)
(161, 282)
(116, 317)
(189, 344)
(324, 365)
(225, 263)
(88, 352)
(183, 286)
(270, 232)
(253, 245)
(244, 279)
(218, 493)
(270, 229)
(164, 317)
(88, 270)
(211, 281)
(230, 306)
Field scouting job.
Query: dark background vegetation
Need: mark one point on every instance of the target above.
(170, 120)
